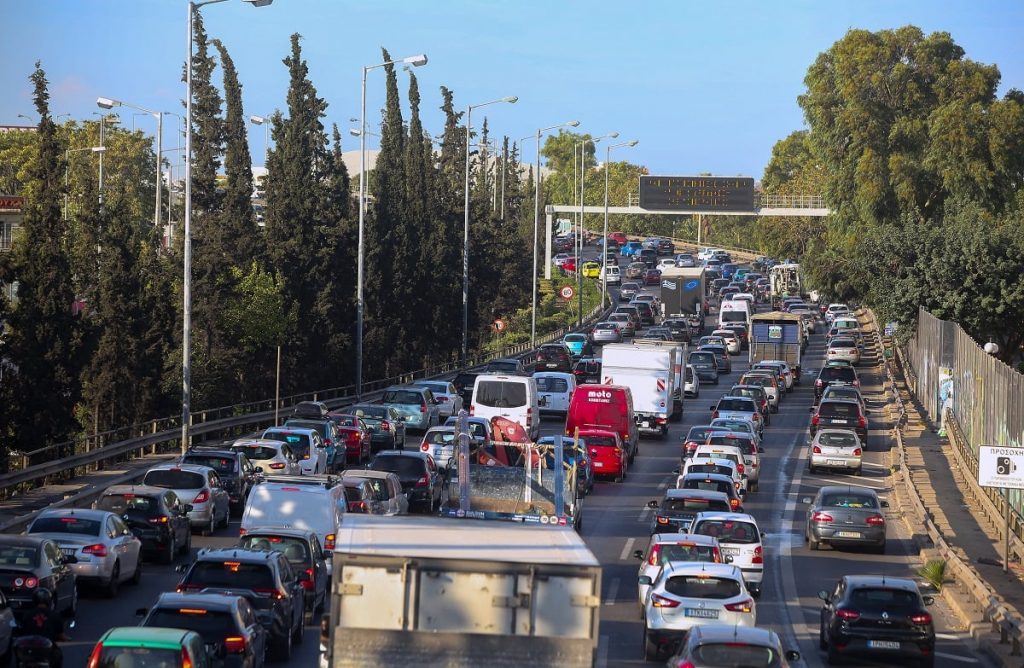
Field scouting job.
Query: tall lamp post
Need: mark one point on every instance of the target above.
(579, 230)
(108, 103)
(67, 170)
(604, 245)
(511, 99)
(417, 61)
(186, 307)
(265, 122)
(536, 225)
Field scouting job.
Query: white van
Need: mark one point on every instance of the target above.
(734, 311)
(514, 398)
(611, 274)
(555, 389)
(316, 503)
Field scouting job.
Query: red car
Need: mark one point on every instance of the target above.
(569, 265)
(607, 455)
(652, 277)
(354, 433)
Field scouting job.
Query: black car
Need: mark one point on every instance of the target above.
(840, 414)
(237, 474)
(387, 429)
(679, 328)
(28, 563)
(310, 409)
(587, 370)
(227, 623)
(878, 616)
(648, 256)
(833, 373)
(421, 480)
(553, 357)
(508, 366)
(677, 510)
(301, 547)
(265, 579)
(464, 382)
(664, 247)
(721, 354)
(155, 515)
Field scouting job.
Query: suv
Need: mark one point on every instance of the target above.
(301, 547)
(198, 486)
(227, 624)
(126, 645)
(237, 474)
(265, 579)
(840, 414)
(421, 480)
(677, 510)
(553, 357)
(507, 366)
(416, 405)
(834, 373)
(156, 516)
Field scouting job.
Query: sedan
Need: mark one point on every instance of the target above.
(722, 355)
(625, 323)
(198, 486)
(605, 332)
(835, 449)
(449, 401)
(628, 291)
(732, 341)
(28, 563)
(269, 456)
(636, 270)
(652, 277)
(354, 433)
(156, 516)
(846, 515)
(844, 348)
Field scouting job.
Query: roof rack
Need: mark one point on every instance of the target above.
(311, 480)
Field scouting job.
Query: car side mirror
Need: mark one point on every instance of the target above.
(652, 503)
(712, 409)
(792, 655)
(644, 580)
(823, 595)
(806, 499)
(928, 600)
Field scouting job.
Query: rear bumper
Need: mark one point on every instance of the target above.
(910, 647)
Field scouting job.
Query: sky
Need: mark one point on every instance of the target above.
(704, 86)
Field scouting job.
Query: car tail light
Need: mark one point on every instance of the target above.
(424, 447)
(269, 591)
(818, 383)
(856, 383)
(875, 520)
(306, 578)
(202, 497)
(861, 422)
(857, 452)
(242, 531)
(385, 425)
(923, 618)
(159, 520)
(329, 541)
(815, 420)
(653, 559)
(182, 588)
(661, 420)
(422, 482)
(186, 659)
(277, 466)
(661, 519)
(472, 409)
(663, 602)
(816, 450)
(742, 606)
(28, 583)
(235, 645)
(819, 516)
(328, 443)
(529, 417)
(740, 468)
(847, 614)
(97, 549)
(758, 556)
(94, 658)
(734, 503)
(714, 415)
(423, 408)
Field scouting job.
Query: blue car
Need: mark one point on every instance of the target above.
(578, 345)
(584, 469)
(631, 249)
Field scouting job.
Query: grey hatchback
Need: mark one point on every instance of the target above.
(846, 515)
(414, 404)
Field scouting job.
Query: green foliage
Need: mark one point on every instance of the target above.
(935, 573)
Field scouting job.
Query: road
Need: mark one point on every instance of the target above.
(616, 523)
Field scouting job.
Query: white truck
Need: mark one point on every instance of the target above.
(652, 370)
(413, 591)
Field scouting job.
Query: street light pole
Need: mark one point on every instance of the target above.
(465, 232)
(417, 61)
(108, 103)
(265, 122)
(604, 243)
(579, 230)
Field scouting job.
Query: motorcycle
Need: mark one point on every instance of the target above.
(31, 651)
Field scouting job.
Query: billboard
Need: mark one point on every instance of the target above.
(697, 193)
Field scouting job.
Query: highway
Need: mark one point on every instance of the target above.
(617, 520)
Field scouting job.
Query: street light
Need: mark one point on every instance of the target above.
(536, 225)
(417, 61)
(579, 230)
(265, 122)
(108, 103)
(604, 243)
(186, 308)
(112, 119)
(511, 99)
(67, 166)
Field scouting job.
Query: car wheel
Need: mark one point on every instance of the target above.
(815, 545)
(110, 591)
(208, 529)
(811, 468)
(833, 656)
(300, 631)
(754, 486)
(650, 647)
(858, 471)
(137, 575)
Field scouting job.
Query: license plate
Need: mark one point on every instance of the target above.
(840, 421)
(598, 465)
(847, 534)
(68, 551)
(835, 462)
(645, 424)
(884, 644)
(731, 551)
(701, 613)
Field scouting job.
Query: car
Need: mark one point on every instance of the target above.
(677, 509)
(268, 455)
(553, 357)
(449, 401)
(835, 449)
(630, 248)
(721, 646)
(611, 274)
(463, 382)
(679, 327)
(627, 291)
(713, 482)
(843, 348)
(608, 456)
(738, 408)
(513, 398)
(573, 454)
(740, 538)
(480, 431)
(732, 341)
(624, 322)
(749, 446)
(633, 312)
(760, 397)
(636, 270)
(667, 547)
(705, 363)
(768, 381)
(843, 515)
(236, 473)
(555, 391)
(134, 646)
(835, 310)
(387, 429)
(646, 312)
(587, 370)
(388, 497)
(302, 549)
(618, 237)
(605, 332)
(308, 502)
(649, 257)
(686, 594)
(848, 392)
(691, 383)
(652, 277)
(106, 551)
(415, 404)
(577, 344)
(721, 354)
(358, 496)
(840, 414)
(591, 269)
(717, 465)
(440, 443)
(306, 444)
(199, 487)
(310, 409)
(560, 259)
(265, 579)
(227, 624)
(664, 247)
(883, 617)
(776, 371)
(156, 516)
(336, 456)
(421, 480)
(686, 260)
(569, 265)
(507, 366)
(354, 440)
(606, 407)
(29, 563)
(666, 263)
(656, 334)
(789, 374)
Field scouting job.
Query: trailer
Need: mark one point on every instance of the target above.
(682, 291)
(650, 370)
(777, 336)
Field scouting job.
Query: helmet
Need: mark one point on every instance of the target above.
(42, 597)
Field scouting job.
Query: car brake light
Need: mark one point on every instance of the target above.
(742, 606)
(757, 418)
(815, 420)
(663, 602)
(158, 520)
(186, 659)
(857, 452)
(270, 591)
(653, 559)
(202, 497)
(861, 422)
(876, 520)
(329, 541)
(182, 588)
(472, 409)
(848, 615)
(758, 556)
(441, 398)
(234, 645)
(740, 468)
(424, 447)
(662, 519)
(923, 618)
(816, 450)
(423, 408)
(277, 466)
(819, 516)
(529, 417)
(422, 482)
(818, 383)
(715, 414)
(94, 658)
(735, 503)
(97, 549)
(30, 582)
(306, 578)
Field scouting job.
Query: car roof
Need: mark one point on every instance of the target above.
(27, 540)
(839, 489)
(747, 635)
(282, 531)
(222, 451)
(366, 473)
(905, 584)
(553, 374)
(295, 430)
(145, 636)
(135, 489)
(234, 554)
(728, 517)
(706, 567)
(267, 442)
(212, 601)
(403, 453)
(84, 513)
(175, 466)
(698, 538)
(717, 477)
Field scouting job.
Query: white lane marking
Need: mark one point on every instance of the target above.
(613, 591)
(875, 466)
(643, 515)
(627, 549)
(855, 481)
(602, 652)
(663, 484)
(787, 491)
(957, 657)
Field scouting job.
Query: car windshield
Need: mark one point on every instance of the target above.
(602, 441)
(693, 504)
(231, 574)
(174, 479)
(441, 437)
(702, 358)
(848, 500)
(741, 404)
(212, 625)
(842, 393)
(577, 338)
(402, 397)
(698, 433)
(218, 463)
(702, 586)
(345, 420)
(74, 525)
(875, 598)
(837, 439)
(122, 503)
(504, 367)
(735, 654)
(150, 657)
(552, 384)
(729, 531)
(404, 467)
(256, 452)
(500, 394)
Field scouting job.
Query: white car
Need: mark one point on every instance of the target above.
(835, 310)
(687, 594)
(449, 401)
(843, 348)
(750, 452)
(666, 263)
(611, 274)
(666, 547)
(691, 383)
(440, 443)
(269, 456)
(835, 449)
(555, 389)
(738, 408)
(784, 369)
(307, 444)
(732, 341)
(740, 538)
(719, 465)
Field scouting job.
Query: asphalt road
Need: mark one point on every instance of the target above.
(617, 521)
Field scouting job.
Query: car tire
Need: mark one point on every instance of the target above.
(858, 471)
(5, 658)
(650, 647)
(811, 468)
(833, 656)
(298, 634)
(812, 543)
(927, 662)
(72, 609)
(137, 575)
(110, 591)
(186, 547)
(172, 549)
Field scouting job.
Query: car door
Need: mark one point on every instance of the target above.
(294, 588)
(219, 494)
(317, 449)
(256, 631)
(63, 576)
(128, 546)
(319, 568)
(436, 479)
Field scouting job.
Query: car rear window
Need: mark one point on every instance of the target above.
(707, 484)
(698, 586)
(848, 500)
(698, 433)
(843, 343)
(685, 552)
(839, 409)
(500, 394)
(171, 479)
(122, 503)
(71, 525)
(873, 598)
(838, 373)
(230, 574)
(402, 397)
(709, 468)
(503, 367)
(404, 467)
(212, 625)
(294, 550)
(694, 503)
(737, 404)
(219, 464)
(256, 452)
(729, 531)
(837, 439)
(578, 338)
(550, 384)
(601, 441)
(150, 657)
(441, 437)
(735, 654)
(702, 358)
(299, 442)
(380, 412)
(316, 425)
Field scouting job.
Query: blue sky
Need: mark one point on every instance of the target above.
(705, 87)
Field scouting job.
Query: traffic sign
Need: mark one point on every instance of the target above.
(499, 325)
(1001, 467)
(567, 292)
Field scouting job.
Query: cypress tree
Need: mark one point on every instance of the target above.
(416, 259)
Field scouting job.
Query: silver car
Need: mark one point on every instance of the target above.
(624, 322)
(846, 515)
(198, 486)
(107, 551)
(843, 348)
(835, 449)
(439, 443)
(415, 404)
(269, 456)
(449, 401)
(387, 488)
(606, 332)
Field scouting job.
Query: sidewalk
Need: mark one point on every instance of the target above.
(935, 474)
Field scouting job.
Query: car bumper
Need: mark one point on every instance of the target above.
(909, 648)
(835, 462)
(678, 624)
(608, 466)
(707, 375)
(93, 571)
(417, 421)
(852, 536)
(383, 441)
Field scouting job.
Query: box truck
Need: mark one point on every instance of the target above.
(651, 371)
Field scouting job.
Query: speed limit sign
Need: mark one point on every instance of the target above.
(499, 325)
(566, 292)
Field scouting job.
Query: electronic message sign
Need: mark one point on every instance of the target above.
(697, 193)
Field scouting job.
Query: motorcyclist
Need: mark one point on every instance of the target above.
(44, 621)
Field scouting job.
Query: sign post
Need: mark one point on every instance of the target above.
(1002, 468)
